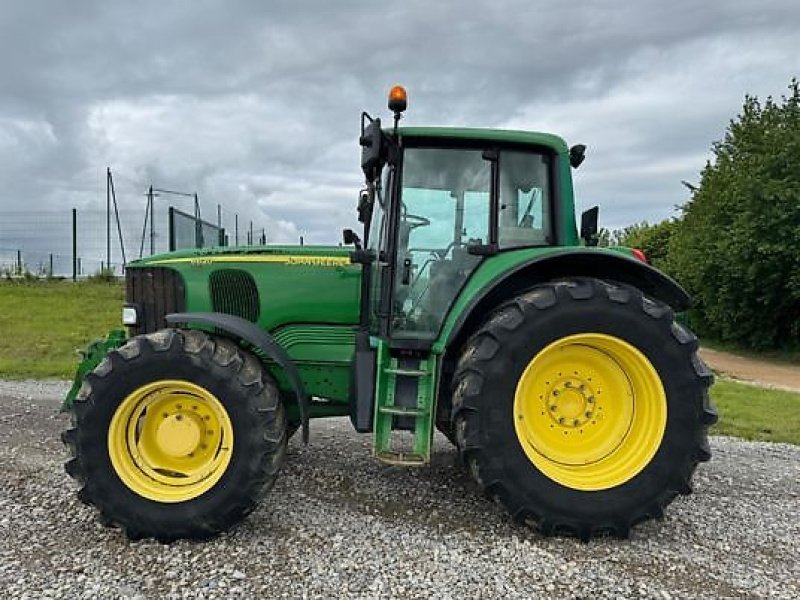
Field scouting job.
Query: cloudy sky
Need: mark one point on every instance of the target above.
(256, 105)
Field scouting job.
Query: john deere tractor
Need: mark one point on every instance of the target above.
(473, 306)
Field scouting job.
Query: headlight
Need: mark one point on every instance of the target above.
(129, 316)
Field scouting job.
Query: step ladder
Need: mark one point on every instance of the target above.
(404, 398)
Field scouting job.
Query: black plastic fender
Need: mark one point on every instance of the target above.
(250, 332)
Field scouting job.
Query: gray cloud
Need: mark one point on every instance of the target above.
(255, 105)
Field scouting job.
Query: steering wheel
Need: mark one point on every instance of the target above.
(415, 221)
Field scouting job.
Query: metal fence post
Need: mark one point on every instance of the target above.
(171, 228)
(74, 244)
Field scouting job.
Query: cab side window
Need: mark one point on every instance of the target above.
(524, 218)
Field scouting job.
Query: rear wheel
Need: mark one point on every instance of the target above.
(582, 407)
(176, 435)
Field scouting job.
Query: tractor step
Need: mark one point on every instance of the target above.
(407, 372)
(402, 459)
(402, 411)
(404, 397)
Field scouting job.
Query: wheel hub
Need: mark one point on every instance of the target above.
(178, 435)
(570, 403)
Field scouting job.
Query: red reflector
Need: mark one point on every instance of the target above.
(640, 255)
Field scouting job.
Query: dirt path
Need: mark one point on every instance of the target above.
(769, 374)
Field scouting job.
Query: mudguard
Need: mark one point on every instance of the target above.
(611, 265)
(241, 329)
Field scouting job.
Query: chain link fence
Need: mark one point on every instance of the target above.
(75, 243)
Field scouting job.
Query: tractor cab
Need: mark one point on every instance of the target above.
(438, 201)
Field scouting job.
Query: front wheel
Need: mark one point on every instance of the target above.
(176, 435)
(582, 407)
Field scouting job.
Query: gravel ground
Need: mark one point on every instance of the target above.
(339, 524)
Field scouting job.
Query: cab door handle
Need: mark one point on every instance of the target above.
(406, 271)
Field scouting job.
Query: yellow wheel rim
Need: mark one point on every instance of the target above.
(170, 441)
(590, 411)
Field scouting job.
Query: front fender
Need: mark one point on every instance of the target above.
(241, 329)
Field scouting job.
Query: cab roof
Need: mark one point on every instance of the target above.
(534, 138)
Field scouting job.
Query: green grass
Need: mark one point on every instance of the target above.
(755, 413)
(42, 323)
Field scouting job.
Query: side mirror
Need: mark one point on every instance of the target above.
(589, 226)
(372, 150)
(350, 237)
(576, 155)
(364, 205)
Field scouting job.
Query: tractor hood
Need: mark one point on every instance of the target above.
(269, 285)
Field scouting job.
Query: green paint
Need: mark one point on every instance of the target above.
(530, 138)
(92, 356)
(386, 445)
(289, 292)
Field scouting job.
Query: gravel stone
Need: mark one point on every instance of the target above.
(339, 524)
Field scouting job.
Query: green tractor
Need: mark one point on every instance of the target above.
(556, 367)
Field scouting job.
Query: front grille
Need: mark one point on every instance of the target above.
(234, 292)
(156, 292)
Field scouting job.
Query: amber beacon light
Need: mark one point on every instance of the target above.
(398, 99)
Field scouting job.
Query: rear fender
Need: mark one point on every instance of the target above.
(609, 265)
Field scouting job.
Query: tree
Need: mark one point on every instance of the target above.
(736, 248)
(653, 240)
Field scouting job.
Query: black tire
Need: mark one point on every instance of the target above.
(448, 431)
(484, 388)
(254, 410)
